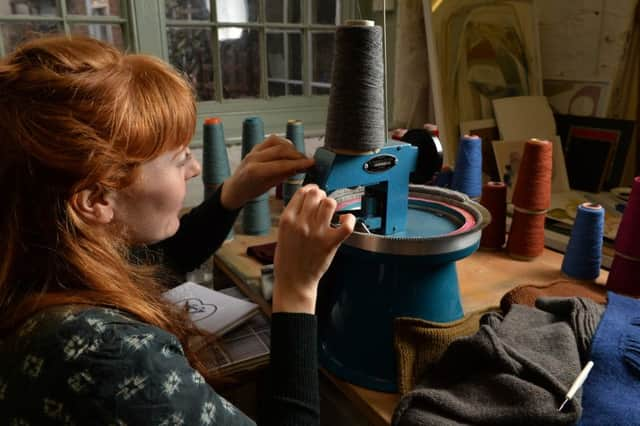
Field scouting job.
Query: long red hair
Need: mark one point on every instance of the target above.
(76, 113)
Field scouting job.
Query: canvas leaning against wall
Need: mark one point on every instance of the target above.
(485, 50)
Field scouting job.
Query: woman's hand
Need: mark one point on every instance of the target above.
(268, 164)
(306, 246)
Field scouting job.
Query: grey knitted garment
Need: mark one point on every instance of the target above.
(515, 370)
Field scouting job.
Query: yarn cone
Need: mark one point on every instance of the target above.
(531, 199)
(625, 268)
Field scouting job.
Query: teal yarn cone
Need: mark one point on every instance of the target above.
(295, 133)
(583, 256)
(256, 216)
(252, 134)
(215, 160)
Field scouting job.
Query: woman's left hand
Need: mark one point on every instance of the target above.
(265, 166)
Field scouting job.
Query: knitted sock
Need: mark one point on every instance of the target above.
(419, 344)
(527, 294)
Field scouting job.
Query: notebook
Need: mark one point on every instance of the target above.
(243, 349)
(211, 310)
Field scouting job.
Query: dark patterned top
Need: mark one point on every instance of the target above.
(94, 366)
(76, 366)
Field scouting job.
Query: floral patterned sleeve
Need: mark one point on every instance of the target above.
(98, 366)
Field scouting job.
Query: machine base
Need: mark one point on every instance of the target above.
(361, 295)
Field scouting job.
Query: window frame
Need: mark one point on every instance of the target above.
(274, 111)
(67, 20)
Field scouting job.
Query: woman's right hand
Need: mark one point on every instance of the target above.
(306, 246)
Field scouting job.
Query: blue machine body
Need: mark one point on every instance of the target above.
(385, 175)
(402, 264)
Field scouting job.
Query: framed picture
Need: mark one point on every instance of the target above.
(595, 150)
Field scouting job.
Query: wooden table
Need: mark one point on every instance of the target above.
(484, 278)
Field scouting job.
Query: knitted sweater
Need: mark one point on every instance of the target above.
(515, 370)
(611, 394)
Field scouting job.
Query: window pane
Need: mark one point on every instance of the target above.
(274, 10)
(105, 32)
(190, 52)
(240, 61)
(28, 7)
(325, 12)
(294, 89)
(94, 7)
(283, 11)
(275, 55)
(284, 68)
(320, 89)
(277, 89)
(237, 10)
(14, 34)
(196, 10)
(322, 45)
(295, 55)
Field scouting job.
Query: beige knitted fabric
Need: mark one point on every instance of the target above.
(419, 343)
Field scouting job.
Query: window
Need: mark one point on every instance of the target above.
(23, 19)
(270, 58)
(233, 49)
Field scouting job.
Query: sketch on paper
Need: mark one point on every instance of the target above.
(211, 310)
(197, 308)
(584, 98)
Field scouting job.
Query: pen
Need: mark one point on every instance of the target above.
(577, 383)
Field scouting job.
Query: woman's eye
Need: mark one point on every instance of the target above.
(186, 157)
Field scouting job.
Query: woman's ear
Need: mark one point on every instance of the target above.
(94, 205)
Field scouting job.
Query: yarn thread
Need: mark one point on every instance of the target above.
(531, 199)
(583, 256)
(494, 198)
(467, 177)
(295, 133)
(623, 276)
(355, 118)
(256, 216)
(215, 159)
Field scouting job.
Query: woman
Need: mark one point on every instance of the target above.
(94, 160)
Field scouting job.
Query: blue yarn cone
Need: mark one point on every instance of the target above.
(467, 177)
(583, 256)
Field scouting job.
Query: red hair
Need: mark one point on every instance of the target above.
(75, 114)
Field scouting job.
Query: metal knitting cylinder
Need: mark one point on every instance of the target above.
(374, 279)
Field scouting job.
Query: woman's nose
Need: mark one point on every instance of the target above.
(194, 169)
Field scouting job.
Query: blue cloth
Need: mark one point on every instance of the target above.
(611, 394)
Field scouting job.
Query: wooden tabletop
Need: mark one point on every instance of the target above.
(484, 278)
